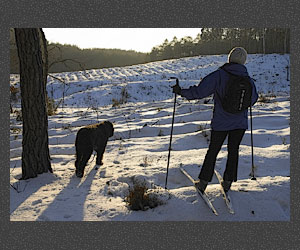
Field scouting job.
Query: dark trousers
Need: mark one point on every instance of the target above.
(216, 141)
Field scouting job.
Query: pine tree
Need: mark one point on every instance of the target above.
(33, 74)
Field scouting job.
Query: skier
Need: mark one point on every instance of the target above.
(223, 123)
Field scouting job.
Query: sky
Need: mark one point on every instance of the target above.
(138, 39)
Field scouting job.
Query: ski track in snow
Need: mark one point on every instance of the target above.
(139, 147)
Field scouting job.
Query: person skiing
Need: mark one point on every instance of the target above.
(223, 123)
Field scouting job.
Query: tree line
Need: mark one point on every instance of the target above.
(65, 57)
(215, 41)
(211, 41)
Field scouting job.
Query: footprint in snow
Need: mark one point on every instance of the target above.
(102, 213)
(242, 190)
(37, 211)
(36, 202)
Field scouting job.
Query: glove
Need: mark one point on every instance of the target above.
(176, 89)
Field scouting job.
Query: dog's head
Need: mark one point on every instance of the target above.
(109, 128)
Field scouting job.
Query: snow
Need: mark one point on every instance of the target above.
(138, 151)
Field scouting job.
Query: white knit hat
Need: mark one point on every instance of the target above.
(237, 55)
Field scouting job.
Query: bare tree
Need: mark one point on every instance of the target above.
(33, 73)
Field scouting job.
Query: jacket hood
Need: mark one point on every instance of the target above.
(236, 69)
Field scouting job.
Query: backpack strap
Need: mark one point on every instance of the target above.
(216, 92)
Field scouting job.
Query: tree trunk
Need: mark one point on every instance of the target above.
(43, 43)
(35, 151)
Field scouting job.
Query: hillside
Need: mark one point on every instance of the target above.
(142, 113)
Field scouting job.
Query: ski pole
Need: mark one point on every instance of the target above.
(252, 155)
(177, 83)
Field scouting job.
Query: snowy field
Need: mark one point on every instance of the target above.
(138, 151)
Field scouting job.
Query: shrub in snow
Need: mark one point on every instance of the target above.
(14, 93)
(157, 196)
(51, 106)
(115, 103)
(124, 98)
(145, 162)
(263, 99)
(137, 199)
(141, 197)
(19, 116)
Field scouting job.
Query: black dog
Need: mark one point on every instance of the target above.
(89, 138)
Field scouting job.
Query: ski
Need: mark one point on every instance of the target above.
(226, 196)
(204, 195)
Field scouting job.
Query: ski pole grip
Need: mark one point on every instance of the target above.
(177, 81)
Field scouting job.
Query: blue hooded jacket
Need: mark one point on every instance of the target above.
(216, 81)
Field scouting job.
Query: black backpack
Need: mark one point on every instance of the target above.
(238, 93)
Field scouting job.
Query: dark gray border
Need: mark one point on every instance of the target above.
(158, 235)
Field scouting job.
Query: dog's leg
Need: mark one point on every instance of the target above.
(84, 159)
(77, 162)
(100, 151)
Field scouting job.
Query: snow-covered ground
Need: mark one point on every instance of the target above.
(138, 151)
